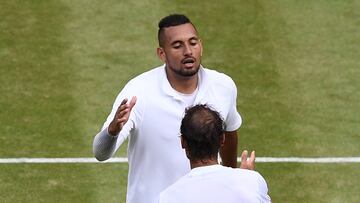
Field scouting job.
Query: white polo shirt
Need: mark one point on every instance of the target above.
(156, 159)
(217, 184)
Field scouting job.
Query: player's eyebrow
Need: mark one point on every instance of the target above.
(194, 38)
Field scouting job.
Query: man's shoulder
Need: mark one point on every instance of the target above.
(145, 80)
(217, 78)
(151, 74)
(142, 83)
(249, 175)
(212, 73)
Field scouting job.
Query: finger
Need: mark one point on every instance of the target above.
(123, 113)
(124, 101)
(252, 156)
(122, 108)
(244, 155)
(251, 161)
(122, 105)
(132, 102)
(243, 159)
(122, 120)
(126, 108)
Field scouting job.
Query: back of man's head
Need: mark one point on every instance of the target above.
(169, 21)
(202, 129)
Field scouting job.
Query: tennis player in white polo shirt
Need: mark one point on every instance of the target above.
(149, 109)
(202, 135)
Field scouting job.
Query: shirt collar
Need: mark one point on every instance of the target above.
(198, 171)
(202, 85)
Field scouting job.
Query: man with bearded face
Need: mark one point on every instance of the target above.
(151, 119)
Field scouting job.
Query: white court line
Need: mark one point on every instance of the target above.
(125, 160)
(308, 160)
(60, 160)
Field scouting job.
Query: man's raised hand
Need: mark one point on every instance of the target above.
(121, 116)
(247, 163)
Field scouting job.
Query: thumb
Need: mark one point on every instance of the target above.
(132, 101)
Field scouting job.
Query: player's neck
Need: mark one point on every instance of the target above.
(205, 162)
(185, 85)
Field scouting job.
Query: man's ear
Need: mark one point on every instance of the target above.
(222, 140)
(201, 47)
(183, 143)
(161, 54)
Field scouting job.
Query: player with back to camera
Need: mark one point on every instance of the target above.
(152, 117)
(202, 135)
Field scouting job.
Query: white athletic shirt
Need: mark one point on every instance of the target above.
(188, 99)
(156, 159)
(217, 184)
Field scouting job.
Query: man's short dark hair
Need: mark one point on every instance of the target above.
(169, 21)
(202, 128)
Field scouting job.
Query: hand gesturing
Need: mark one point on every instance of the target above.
(247, 163)
(121, 116)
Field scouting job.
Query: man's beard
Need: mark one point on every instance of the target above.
(186, 72)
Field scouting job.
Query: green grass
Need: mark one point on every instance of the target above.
(63, 182)
(327, 183)
(296, 65)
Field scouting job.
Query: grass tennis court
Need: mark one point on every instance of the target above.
(296, 65)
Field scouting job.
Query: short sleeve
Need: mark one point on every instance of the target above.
(233, 120)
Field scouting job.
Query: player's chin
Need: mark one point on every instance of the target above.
(190, 71)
